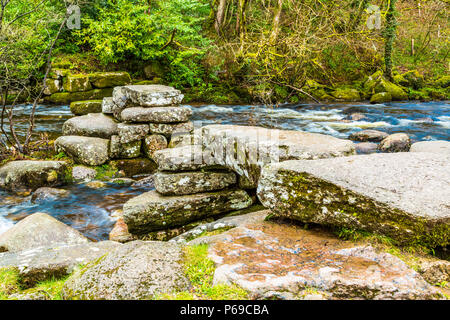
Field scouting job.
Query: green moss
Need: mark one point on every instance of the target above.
(346, 94)
(109, 79)
(105, 172)
(357, 212)
(9, 282)
(84, 107)
(199, 269)
(381, 97)
(443, 82)
(68, 97)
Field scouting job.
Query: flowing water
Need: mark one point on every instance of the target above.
(89, 210)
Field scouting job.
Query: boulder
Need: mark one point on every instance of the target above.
(83, 174)
(80, 108)
(39, 230)
(132, 132)
(283, 261)
(366, 147)
(68, 97)
(368, 135)
(187, 158)
(107, 105)
(439, 146)
(381, 97)
(109, 79)
(153, 143)
(153, 95)
(84, 150)
(136, 270)
(156, 114)
(77, 83)
(146, 182)
(402, 195)
(397, 142)
(151, 211)
(119, 150)
(52, 86)
(95, 125)
(246, 149)
(29, 174)
(169, 129)
(53, 262)
(48, 194)
(192, 182)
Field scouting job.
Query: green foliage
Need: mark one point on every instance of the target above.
(9, 282)
(200, 271)
(169, 32)
(105, 172)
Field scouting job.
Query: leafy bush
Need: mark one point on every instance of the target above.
(169, 32)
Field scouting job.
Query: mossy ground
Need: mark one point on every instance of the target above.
(11, 283)
(199, 269)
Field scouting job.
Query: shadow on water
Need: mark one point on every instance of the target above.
(89, 210)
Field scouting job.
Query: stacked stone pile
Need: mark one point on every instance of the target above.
(190, 189)
(137, 120)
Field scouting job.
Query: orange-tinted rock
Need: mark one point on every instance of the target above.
(120, 232)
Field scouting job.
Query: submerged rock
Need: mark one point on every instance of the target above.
(402, 195)
(192, 182)
(133, 167)
(84, 150)
(152, 95)
(397, 142)
(272, 260)
(95, 125)
(38, 230)
(135, 270)
(442, 147)
(48, 194)
(246, 149)
(120, 232)
(30, 174)
(157, 114)
(368, 135)
(151, 211)
(53, 262)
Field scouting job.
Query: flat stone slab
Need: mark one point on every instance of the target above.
(91, 125)
(152, 211)
(132, 132)
(38, 230)
(439, 146)
(136, 270)
(153, 95)
(246, 149)
(368, 135)
(169, 129)
(405, 196)
(284, 261)
(192, 182)
(44, 263)
(30, 174)
(156, 114)
(186, 158)
(84, 150)
(80, 108)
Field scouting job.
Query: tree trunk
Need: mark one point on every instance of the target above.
(220, 15)
(241, 21)
(389, 36)
(276, 23)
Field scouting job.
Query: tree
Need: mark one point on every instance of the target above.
(389, 37)
(28, 34)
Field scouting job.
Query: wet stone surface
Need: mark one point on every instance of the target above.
(266, 258)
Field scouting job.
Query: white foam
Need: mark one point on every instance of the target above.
(313, 115)
(213, 108)
(5, 224)
(358, 124)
